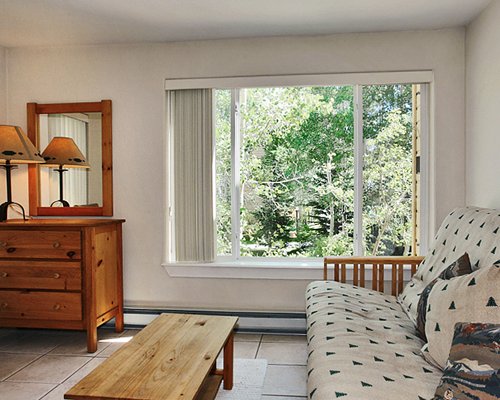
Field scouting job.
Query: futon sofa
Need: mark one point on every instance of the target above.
(363, 343)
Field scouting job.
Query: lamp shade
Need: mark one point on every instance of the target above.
(16, 147)
(63, 151)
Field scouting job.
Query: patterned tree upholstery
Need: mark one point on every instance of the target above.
(471, 230)
(363, 344)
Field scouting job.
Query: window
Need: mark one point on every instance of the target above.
(316, 170)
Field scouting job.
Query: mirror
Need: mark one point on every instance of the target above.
(82, 186)
(77, 179)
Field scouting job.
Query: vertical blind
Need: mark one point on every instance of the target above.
(191, 125)
(75, 179)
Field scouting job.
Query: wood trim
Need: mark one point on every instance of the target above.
(210, 388)
(103, 318)
(105, 108)
(89, 298)
(59, 108)
(416, 179)
(381, 287)
(107, 158)
(377, 263)
(400, 278)
(33, 169)
(228, 362)
(41, 323)
(57, 224)
(373, 259)
(70, 211)
(374, 277)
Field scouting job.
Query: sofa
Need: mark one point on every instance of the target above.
(363, 343)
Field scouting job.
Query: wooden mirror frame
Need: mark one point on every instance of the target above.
(103, 107)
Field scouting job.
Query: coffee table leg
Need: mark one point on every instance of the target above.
(228, 363)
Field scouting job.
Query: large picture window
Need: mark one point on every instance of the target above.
(316, 170)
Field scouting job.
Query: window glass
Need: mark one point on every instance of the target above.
(296, 179)
(387, 169)
(296, 171)
(223, 170)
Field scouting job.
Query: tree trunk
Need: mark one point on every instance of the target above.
(332, 205)
(385, 224)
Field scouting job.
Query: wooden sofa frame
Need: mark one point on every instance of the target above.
(397, 265)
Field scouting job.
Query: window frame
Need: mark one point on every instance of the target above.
(357, 80)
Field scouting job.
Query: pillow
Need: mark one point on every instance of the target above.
(473, 368)
(472, 297)
(470, 229)
(458, 268)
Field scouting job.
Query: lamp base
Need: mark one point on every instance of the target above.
(63, 202)
(5, 207)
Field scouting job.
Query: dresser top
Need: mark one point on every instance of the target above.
(40, 222)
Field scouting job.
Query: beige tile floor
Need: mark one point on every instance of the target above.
(43, 365)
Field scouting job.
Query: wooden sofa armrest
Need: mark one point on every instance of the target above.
(378, 263)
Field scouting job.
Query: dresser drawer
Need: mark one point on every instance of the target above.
(40, 244)
(57, 306)
(51, 275)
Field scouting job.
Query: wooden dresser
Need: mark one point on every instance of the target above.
(61, 274)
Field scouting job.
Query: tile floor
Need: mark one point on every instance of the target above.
(43, 365)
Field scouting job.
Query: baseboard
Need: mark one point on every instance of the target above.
(249, 322)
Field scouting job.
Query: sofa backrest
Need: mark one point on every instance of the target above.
(470, 229)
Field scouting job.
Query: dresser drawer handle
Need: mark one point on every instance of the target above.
(4, 305)
(56, 245)
(11, 250)
(57, 275)
(4, 274)
(70, 254)
(57, 307)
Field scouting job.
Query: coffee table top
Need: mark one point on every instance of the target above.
(169, 359)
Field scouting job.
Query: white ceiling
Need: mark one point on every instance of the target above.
(67, 22)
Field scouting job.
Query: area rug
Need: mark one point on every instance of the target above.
(248, 381)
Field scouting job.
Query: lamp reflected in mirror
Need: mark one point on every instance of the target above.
(81, 183)
(63, 153)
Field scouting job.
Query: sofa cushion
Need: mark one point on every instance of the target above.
(459, 267)
(473, 368)
(469, 298)
(472, 230)
(363, 346)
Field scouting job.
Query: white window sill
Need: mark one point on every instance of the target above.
(258, 269)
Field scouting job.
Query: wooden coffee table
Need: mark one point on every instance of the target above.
(174, 357)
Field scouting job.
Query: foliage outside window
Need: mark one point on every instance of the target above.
(297, 167)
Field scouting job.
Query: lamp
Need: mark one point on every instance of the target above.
(63, 152)
(14, 147)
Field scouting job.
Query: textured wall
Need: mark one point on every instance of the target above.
(133, 77)
(483, 103)
(3, 85)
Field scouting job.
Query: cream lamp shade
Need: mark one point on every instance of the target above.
(63, 151)
(16, 148)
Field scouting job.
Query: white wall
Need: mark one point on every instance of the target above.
(3, 85)
(483, 109)
(133, 77)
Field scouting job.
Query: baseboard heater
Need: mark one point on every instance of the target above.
(249, 322)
